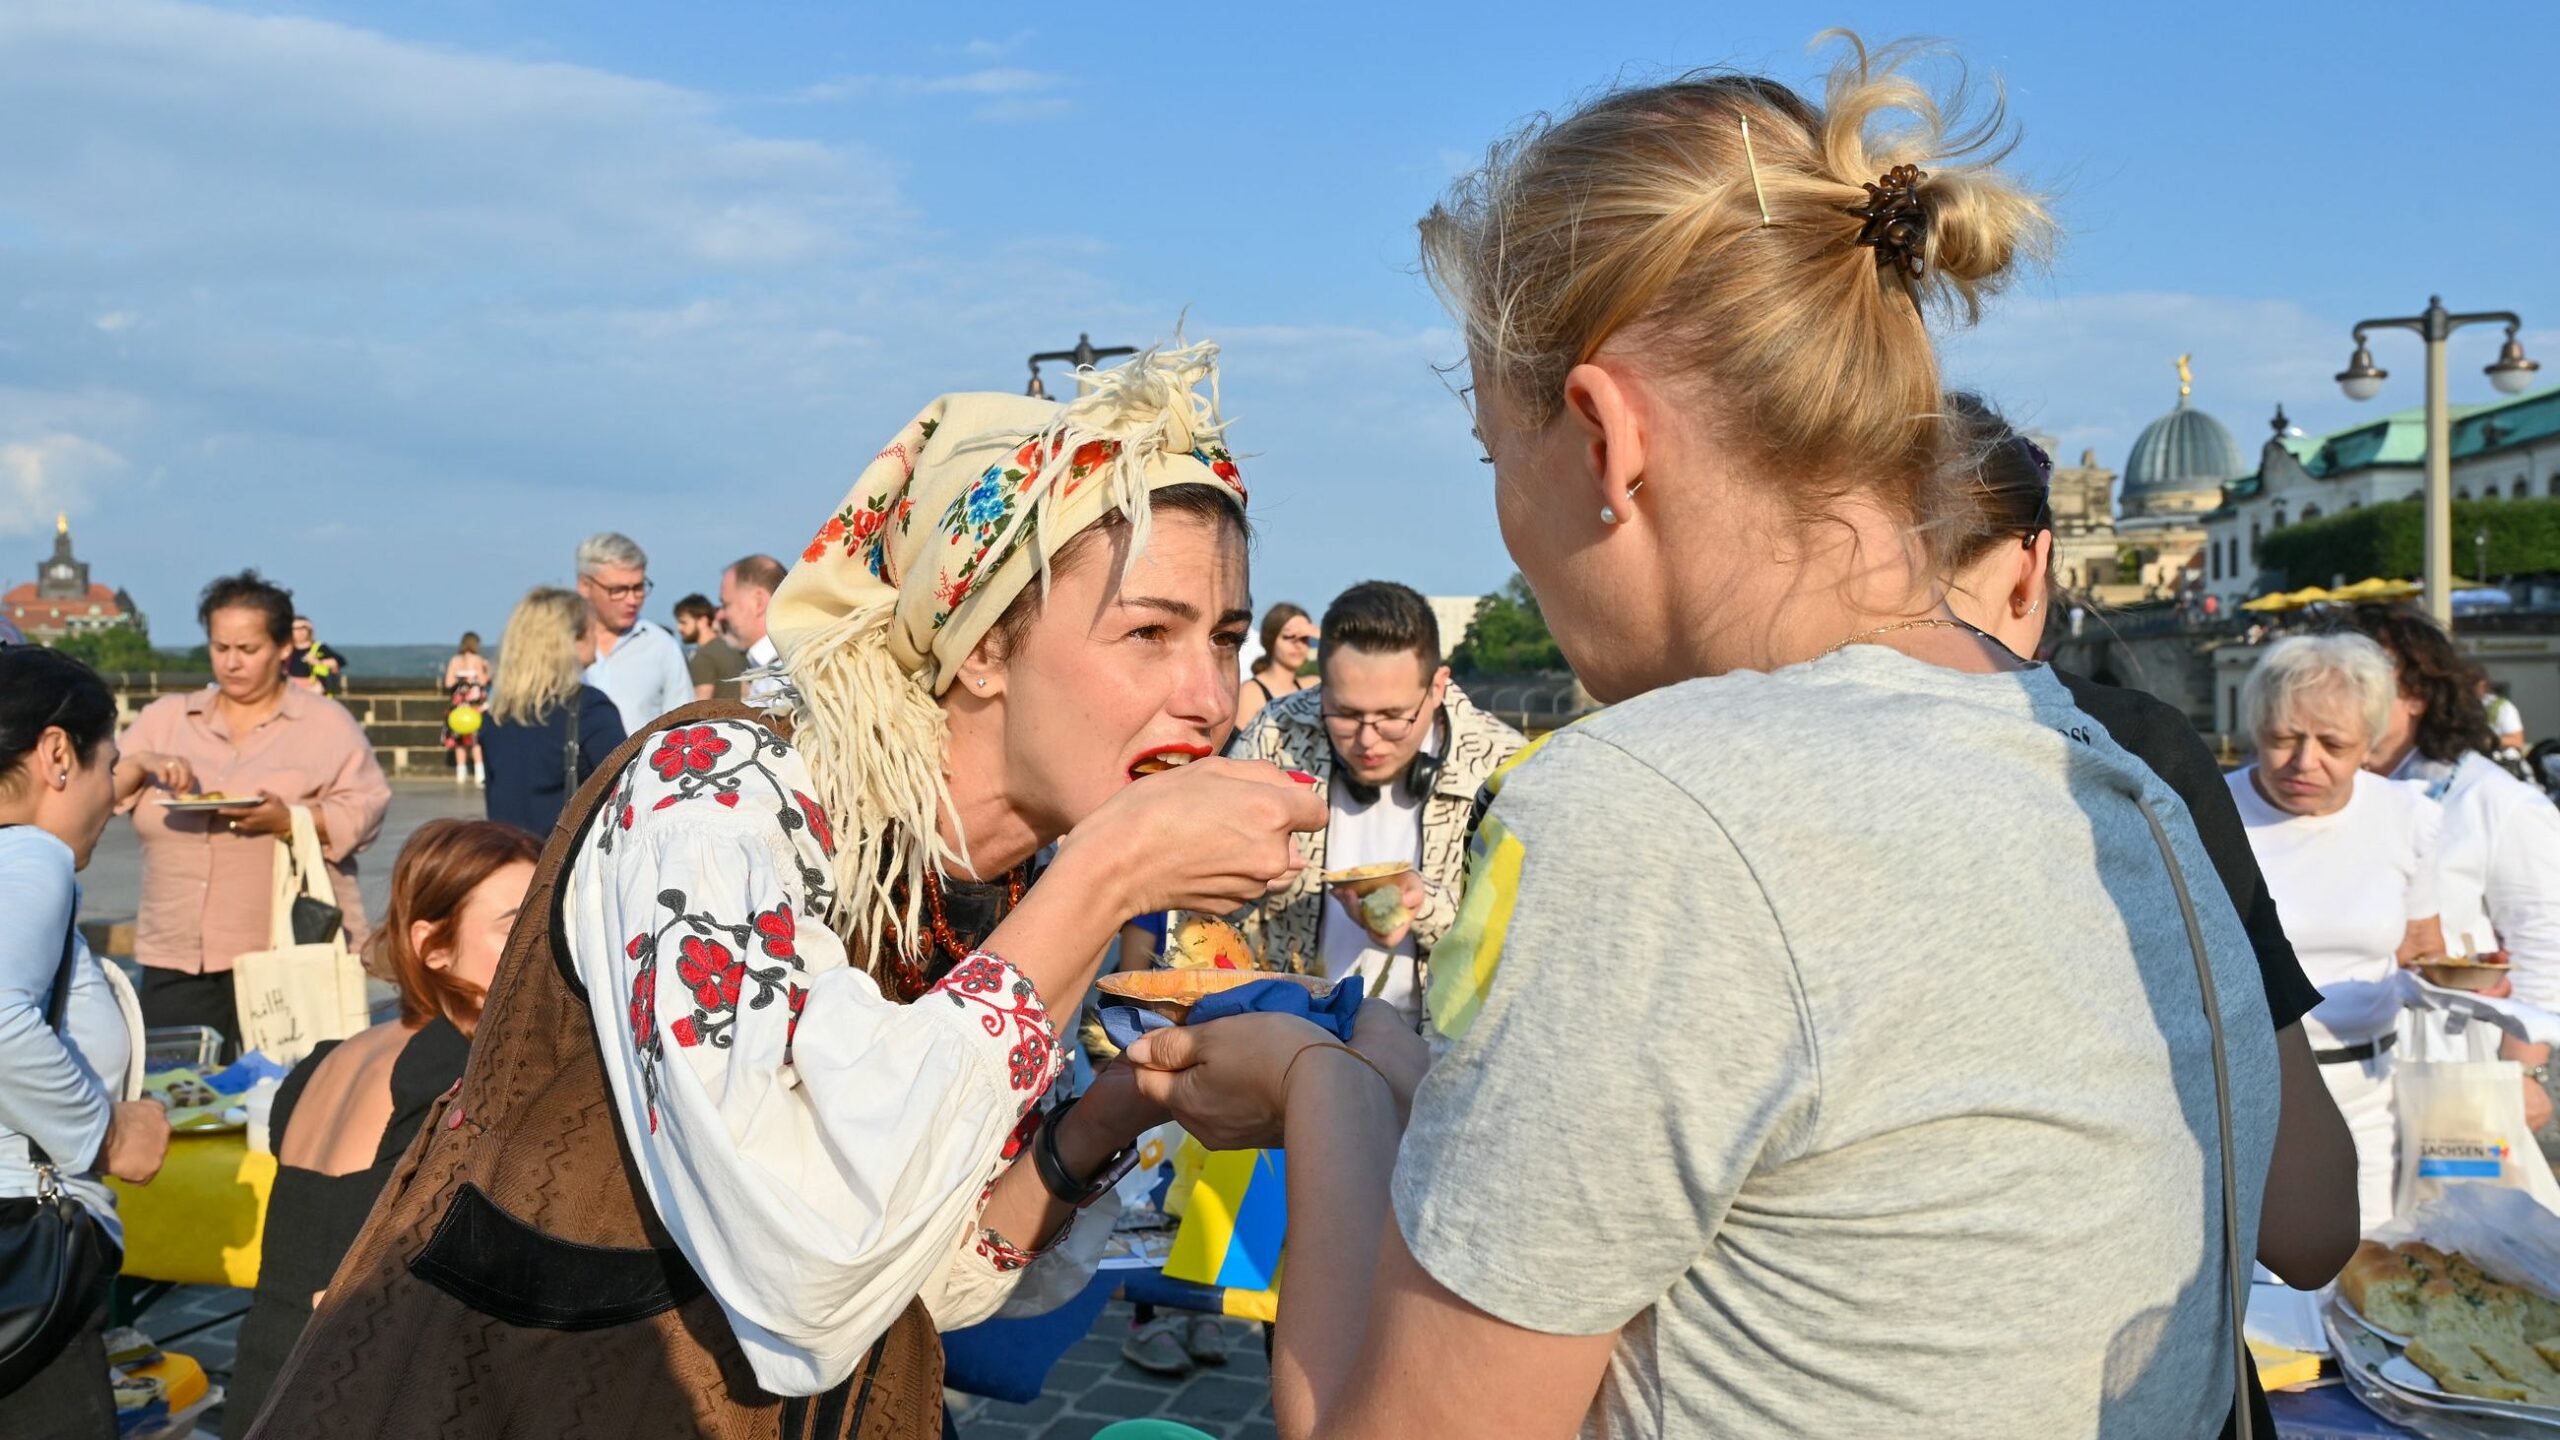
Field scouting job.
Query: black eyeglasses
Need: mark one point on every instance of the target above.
(623, 592)
(1390, 728)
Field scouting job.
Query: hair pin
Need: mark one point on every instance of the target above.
(1753, 161)
(1897, 220)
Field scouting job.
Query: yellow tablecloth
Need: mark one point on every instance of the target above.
(201, 1220)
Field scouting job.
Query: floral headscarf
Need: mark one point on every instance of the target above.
(942, 530)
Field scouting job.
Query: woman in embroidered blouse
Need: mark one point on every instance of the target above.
(1017, 603)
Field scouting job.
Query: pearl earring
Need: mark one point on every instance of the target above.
(981, 684)
(61, 777)
(1608, 515)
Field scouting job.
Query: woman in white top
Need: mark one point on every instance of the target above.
(2499, 857)
(2351, 860)
(1787, 1089)
(67, 1064)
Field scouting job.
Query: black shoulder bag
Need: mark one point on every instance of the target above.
(577, 710)
(55, 1259)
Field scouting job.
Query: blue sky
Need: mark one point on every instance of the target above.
(398, 300)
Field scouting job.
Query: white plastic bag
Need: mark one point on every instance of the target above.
(2462, 1126)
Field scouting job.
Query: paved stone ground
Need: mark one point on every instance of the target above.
(1090, 1388)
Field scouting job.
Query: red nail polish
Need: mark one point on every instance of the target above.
(1302, 777)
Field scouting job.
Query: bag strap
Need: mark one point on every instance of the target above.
(2236, 1260)
(577, 709)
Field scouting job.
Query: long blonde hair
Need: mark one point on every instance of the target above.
(1730, 259)
(538, 667)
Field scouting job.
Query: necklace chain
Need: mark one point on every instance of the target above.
(1931, 623)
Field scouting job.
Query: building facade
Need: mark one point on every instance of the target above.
(2509, 450)
(63, 600)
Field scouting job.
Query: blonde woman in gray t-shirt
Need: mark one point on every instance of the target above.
(1855, 1088)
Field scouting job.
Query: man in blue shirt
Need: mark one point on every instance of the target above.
(637, 663)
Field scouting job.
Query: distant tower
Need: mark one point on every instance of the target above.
(62, 575)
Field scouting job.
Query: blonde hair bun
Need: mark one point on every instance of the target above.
(1651, 220)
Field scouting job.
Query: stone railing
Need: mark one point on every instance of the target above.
(403, 718)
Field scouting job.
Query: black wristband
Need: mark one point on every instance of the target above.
(1052, 1169)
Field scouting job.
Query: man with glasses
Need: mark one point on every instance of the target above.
(1400, 754)
(637, 663)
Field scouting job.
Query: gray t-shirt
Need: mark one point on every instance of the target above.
(1859, 1072)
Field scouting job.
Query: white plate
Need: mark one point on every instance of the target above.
(2402, 1375)
(204, 806)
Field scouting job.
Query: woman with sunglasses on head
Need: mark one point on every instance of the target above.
(2003, 583)
(1784, 1090)
(1288, 638)
(754, 1106)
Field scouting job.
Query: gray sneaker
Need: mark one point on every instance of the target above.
(1156, 1347)
(1206, 1339)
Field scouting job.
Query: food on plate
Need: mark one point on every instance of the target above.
(2461, 1371)
(2470, 975)
(1172, 993)
(2477, 1336)
(2383, 1284)
(1362, 879)
(1205, 942)
(210, 797)
(1384, 912)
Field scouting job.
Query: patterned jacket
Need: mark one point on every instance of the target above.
(1290, 733)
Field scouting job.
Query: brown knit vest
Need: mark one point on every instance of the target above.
(513, 1279)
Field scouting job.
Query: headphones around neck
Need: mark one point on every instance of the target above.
(1418, 779)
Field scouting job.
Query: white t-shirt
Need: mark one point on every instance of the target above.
(2504, 717)
(2346, 886)
(1390, 829)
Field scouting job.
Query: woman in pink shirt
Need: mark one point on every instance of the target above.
(207, 878)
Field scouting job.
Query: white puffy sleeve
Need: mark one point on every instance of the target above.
(818, 1152)
(2523, 891)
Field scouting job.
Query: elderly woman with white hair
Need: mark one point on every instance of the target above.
(2351, 860)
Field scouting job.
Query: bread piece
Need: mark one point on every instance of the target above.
(2541, 1317)
(2461, 1371)
(2383, 1286)
(2514, 1360)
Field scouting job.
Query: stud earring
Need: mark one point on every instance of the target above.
(981, 684)
(61, 777)
(1608, 515)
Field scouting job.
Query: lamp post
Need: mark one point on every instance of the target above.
(2511, 373)
(1081, 357)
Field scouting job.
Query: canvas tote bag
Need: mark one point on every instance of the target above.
(294, 995)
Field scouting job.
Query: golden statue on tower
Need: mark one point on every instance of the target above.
(2186, 378)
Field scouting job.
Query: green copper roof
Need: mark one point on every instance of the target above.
(2400, 438)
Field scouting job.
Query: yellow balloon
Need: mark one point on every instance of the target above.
(465, 720)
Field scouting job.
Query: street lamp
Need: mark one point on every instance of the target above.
(1081, 358)
(2362, 380)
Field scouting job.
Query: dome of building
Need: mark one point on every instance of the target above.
(2183, 453)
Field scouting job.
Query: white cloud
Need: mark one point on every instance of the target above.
(2094, 369)
(995, 81)
(997, 49)
(47, 473)
(114, 322)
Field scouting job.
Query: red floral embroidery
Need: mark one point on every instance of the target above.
(1023, 1130)
(818, 825)
(712, 971)
(798, 1000)
(1012, 1008)
(779, 932)
(828, 534)
(626, 817)
(645, 1048)
(698, 748)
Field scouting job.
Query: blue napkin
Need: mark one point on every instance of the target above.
(1336, 1011)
